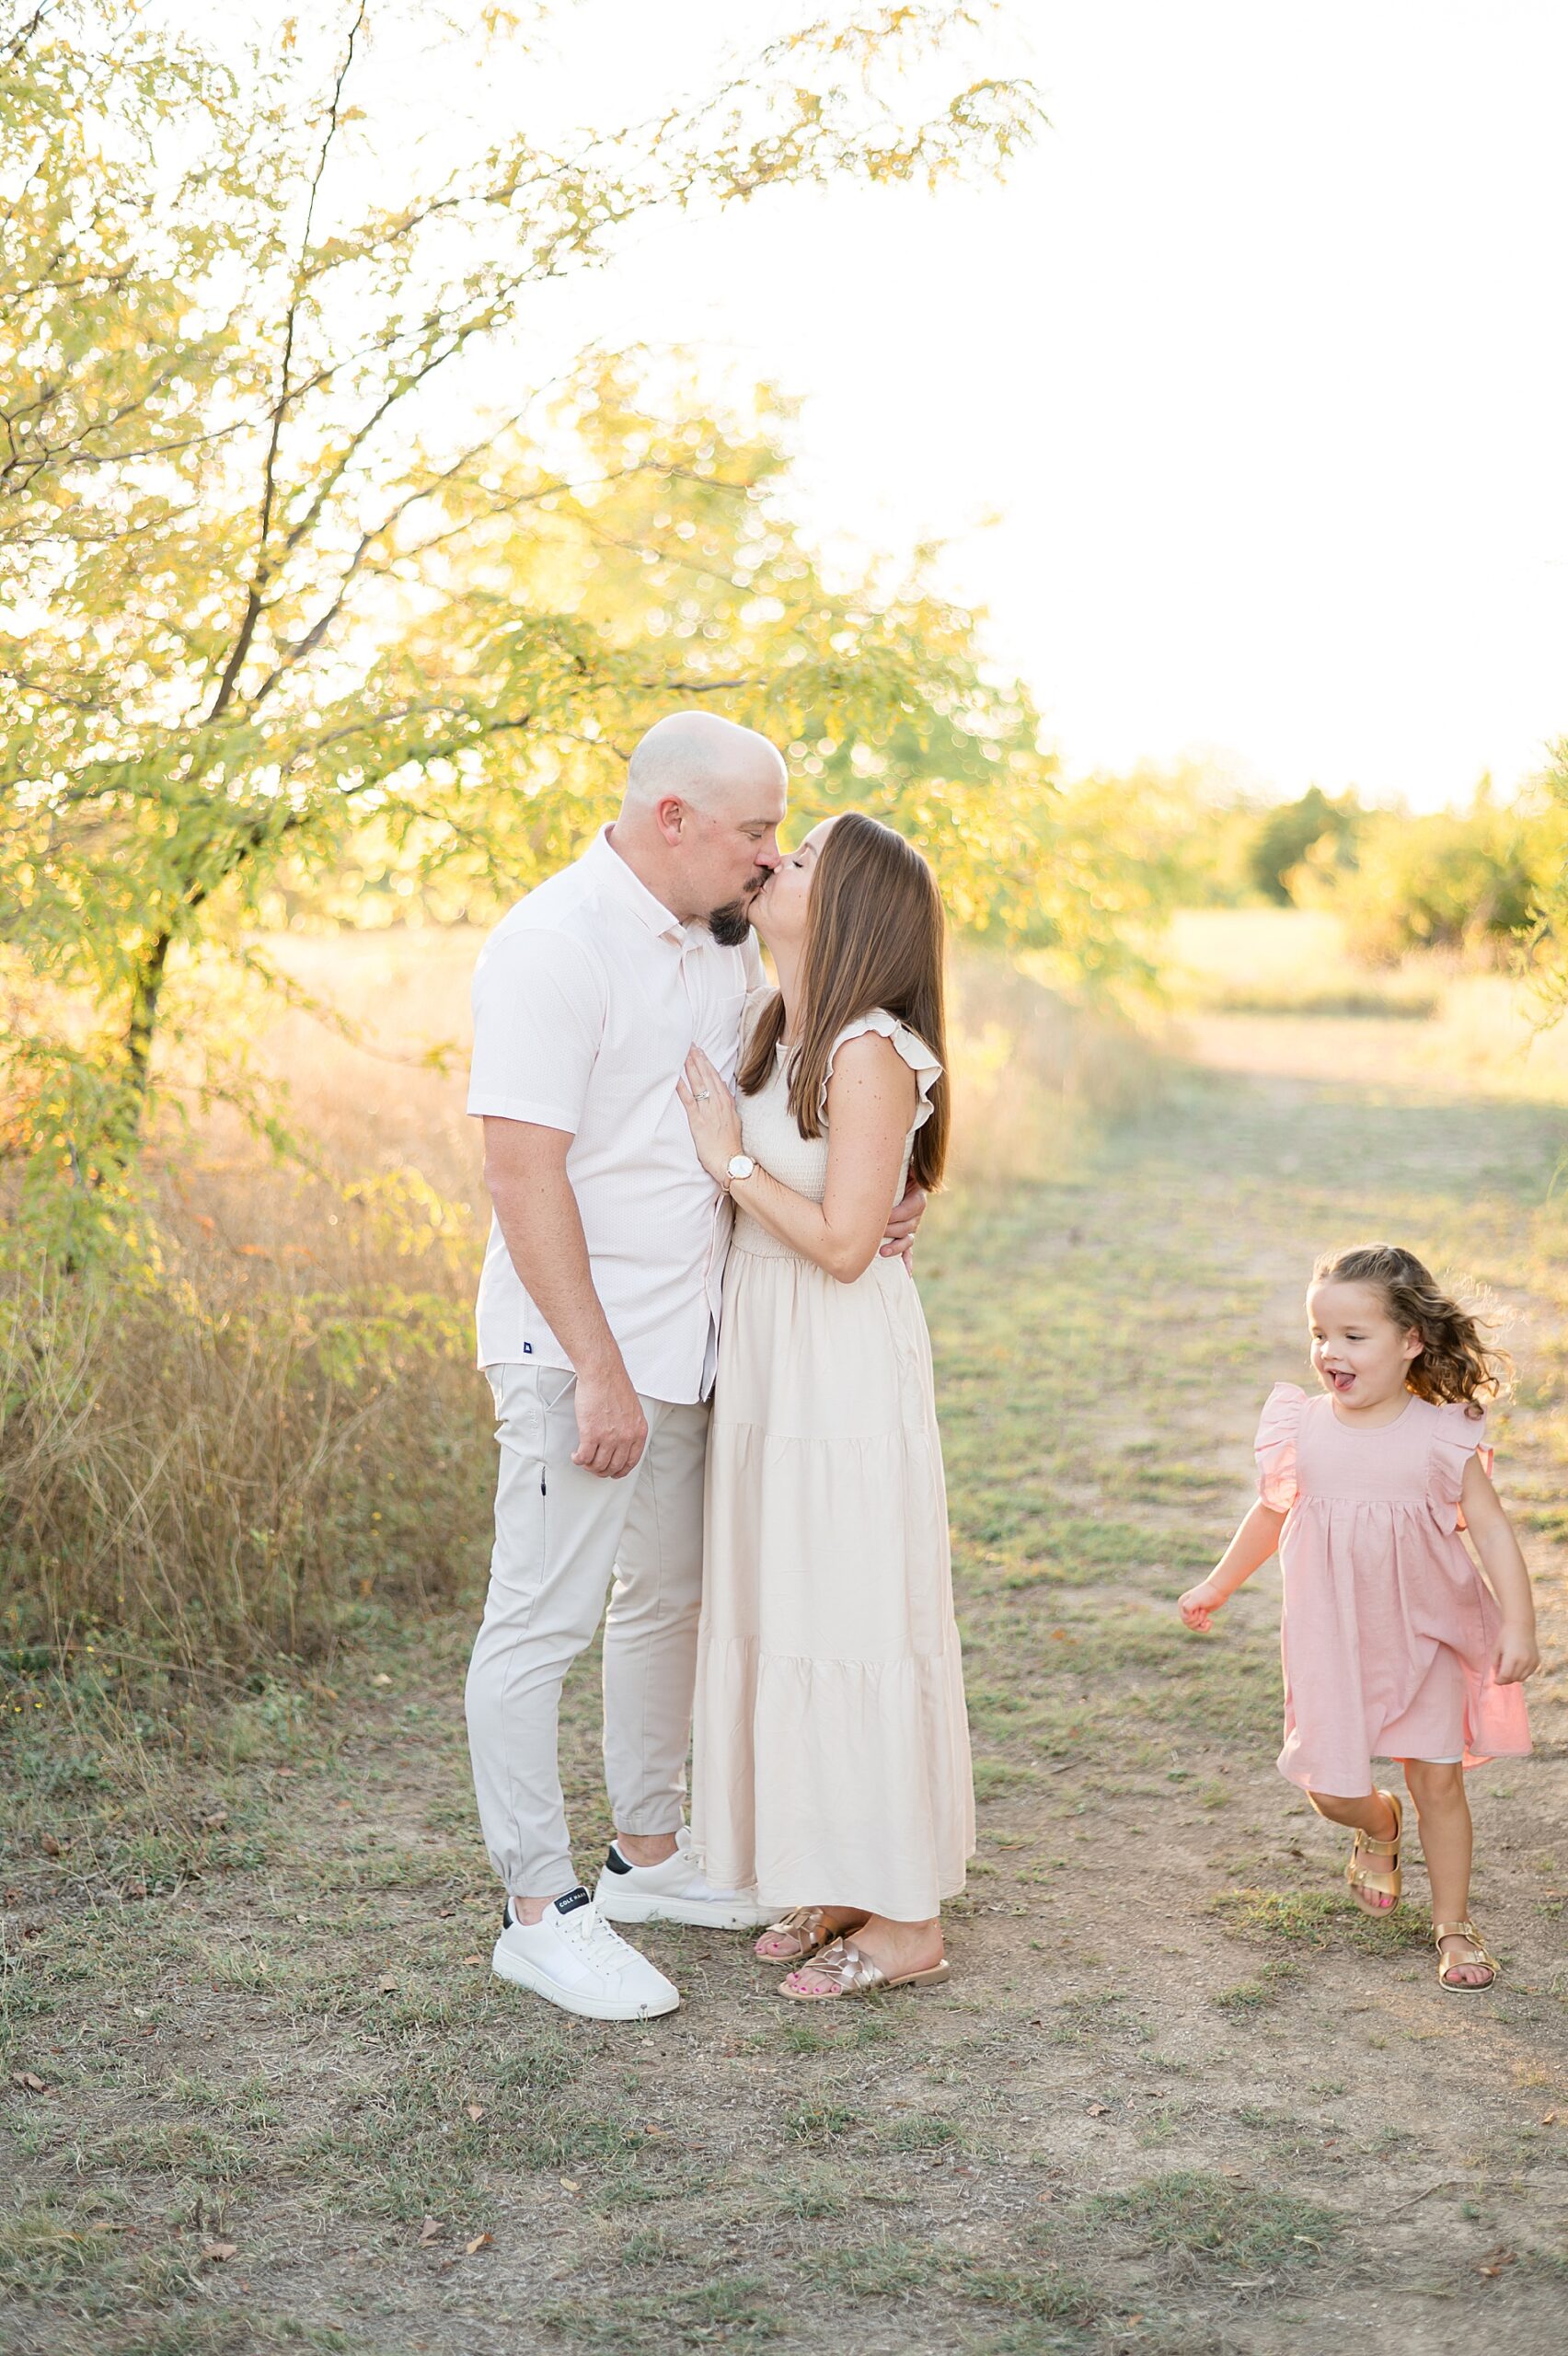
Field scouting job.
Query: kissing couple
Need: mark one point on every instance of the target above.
(714, 1391)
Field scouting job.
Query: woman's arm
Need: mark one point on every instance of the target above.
(871, 1101)
(1248, 1552)
(1491, 1533)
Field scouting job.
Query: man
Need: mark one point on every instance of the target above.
(597, 1322)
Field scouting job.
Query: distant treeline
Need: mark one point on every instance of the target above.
(1475, 882)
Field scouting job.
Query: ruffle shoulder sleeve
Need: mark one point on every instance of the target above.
(912, 1049)
(1458, 1432)
(1275, 1447)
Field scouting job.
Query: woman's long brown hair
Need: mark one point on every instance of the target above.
(875, 936)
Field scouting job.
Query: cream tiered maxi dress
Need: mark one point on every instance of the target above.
(831, 1762)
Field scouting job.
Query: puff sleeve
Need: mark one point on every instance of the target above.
(1275, 1447)
(914, 1050)
(1458, 1432)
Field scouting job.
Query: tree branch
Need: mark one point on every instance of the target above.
(256, 592)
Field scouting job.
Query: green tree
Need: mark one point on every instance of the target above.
(1318, 826)
(1543, 944)
(1462, 881)
(260, 593)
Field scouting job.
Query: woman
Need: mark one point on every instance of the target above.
(831, 1769)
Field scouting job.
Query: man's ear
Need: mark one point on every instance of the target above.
(670, 817)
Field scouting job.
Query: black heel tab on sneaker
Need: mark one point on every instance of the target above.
(507, 1916)
(573, 1900)
(613, 1861)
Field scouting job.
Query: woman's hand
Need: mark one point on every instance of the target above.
(1200, 1603)
(1517, 1656)
(710, 1109)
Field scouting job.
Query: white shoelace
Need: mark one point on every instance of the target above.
(602, 1948)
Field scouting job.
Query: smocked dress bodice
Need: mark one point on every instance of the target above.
(769, 1133)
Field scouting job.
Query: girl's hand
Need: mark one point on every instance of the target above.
(710, 1109)
(1200, 1603)
(1517, 1656)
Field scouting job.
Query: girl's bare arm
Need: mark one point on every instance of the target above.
(1248, 1552)
(1492, 1534)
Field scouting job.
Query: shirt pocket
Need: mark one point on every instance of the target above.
(720, 1035)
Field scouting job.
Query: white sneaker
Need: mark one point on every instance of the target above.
(574, 1959)
(673, 1892)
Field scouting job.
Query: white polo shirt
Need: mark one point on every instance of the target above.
(588, 996)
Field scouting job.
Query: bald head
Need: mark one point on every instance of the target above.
(707, 763)
(704, 801)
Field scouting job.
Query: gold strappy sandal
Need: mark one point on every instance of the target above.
(854, 1974)
(1446, 1963)
(1357, 1874)
(807, 1925)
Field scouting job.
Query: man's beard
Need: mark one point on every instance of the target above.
(731, 925)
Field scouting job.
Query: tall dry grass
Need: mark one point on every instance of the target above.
(1037, 1078)
(1283, 989)
(283, 1430)
(222, 1472)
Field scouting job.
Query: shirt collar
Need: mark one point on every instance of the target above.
(614, 873)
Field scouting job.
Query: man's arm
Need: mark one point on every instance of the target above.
(542, 1228)
(903, 1225)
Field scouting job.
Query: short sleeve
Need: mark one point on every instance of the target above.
(538, 1019)
(1275, 1447)
(1458, 1432)
(912, 1049)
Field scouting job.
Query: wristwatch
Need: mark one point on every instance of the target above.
(740, 1165)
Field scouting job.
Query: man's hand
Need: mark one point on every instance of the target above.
(898, 1243)
(612, 1430)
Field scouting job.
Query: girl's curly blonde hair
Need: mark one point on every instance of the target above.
(1456, 1362)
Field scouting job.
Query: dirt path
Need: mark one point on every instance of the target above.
(1179, 2097)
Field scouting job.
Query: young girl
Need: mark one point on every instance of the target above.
(1394, 1645)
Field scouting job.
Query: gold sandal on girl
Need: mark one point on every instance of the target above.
(1477, 1958)
(1358, 1875)
(809, 1929)
(854, 1974)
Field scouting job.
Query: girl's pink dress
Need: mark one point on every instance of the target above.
(1388, 1630)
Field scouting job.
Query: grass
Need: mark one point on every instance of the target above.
(1266, 1987)
(1115, 2110)
(815, 2124)
(929, 2133)
(910, 2271)
(1321, 1919)
(1235, 2226)
(729, 2312)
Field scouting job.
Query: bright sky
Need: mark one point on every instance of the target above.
(1258, 361)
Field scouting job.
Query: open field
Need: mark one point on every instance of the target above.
(262, 2091)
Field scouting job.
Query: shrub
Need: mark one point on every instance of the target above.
(221, 1478)
(1465, 881)
(1316, 826)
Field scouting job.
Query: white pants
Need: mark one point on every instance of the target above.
(562, 1535)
